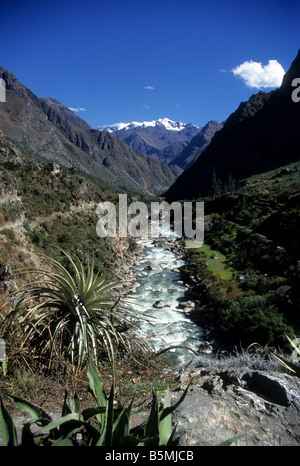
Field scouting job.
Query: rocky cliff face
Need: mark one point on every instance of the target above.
(261, 135)
(47, 129)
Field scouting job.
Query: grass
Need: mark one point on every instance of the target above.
(216, 262)
(47, 389)
(133, 384)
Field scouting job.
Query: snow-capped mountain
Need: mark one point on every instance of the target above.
(168, 124)
(163, 139)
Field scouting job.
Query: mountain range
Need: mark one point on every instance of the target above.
(261, 135)
(48, 130)
(166, 123)
(162, 139)
(159, 156)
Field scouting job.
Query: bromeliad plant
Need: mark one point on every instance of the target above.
(102, 425)
(291, 364)
(76, 313)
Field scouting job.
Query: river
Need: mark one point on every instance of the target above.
(169, 325)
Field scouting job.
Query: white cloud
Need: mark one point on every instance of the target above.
(256, 75)
(146, 106)
(150, 88)
(78, 109)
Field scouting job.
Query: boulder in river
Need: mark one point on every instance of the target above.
(160, 304)
(186, 304)
(152, 266)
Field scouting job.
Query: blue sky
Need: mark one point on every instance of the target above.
(121, 61)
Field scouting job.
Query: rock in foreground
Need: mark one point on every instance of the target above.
(255, 407)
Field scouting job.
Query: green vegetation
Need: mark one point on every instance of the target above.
(253, 283)
(102, 425)
(216, 262)
(9, 233)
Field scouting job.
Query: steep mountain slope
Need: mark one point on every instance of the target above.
(262, 134)
(162, 139)
(44, 209)
(70, 116)
(197, 145)
(49, 130)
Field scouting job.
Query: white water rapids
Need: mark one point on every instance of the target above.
(169, 325)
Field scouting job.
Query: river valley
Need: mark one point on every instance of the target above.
(159, 293)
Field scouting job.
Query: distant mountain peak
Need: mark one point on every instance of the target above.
(163, 139)
(168, 124)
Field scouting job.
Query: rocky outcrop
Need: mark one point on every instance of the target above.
(250, 407)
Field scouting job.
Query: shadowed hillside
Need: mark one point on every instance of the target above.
(262, 134)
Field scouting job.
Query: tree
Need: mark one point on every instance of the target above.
(216, 184)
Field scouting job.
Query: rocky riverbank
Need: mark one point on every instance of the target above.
(123, 273)
(195, 305)
(240, 396)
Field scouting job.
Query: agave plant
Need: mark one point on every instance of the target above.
(101, 425)
(76, 313)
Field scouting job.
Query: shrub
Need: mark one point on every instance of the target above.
(36, 237)
(9, 233)
(251, 319)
